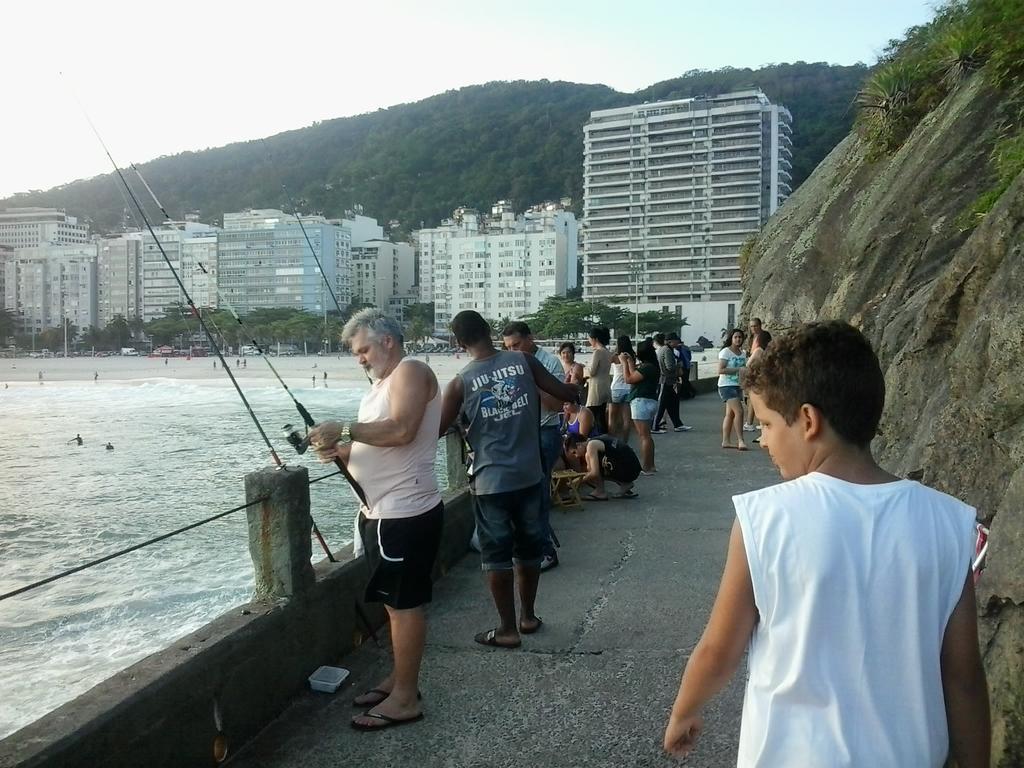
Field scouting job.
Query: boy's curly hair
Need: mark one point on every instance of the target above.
(829, 365)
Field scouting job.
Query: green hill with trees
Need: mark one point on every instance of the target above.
(521, 141)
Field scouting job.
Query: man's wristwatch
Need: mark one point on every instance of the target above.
(346, 434)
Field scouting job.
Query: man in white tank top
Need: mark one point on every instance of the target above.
(390, 452)
(851, 588)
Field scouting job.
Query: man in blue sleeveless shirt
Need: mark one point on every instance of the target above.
(496, 396)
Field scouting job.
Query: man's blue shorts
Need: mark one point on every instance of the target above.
(510, 528)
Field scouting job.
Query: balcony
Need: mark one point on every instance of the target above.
(676, 162)
(605, 215)
(593, 247)
(611, 224)
(740, 118)
(613, 237)
(594, 136)
(604, 204)
(608, 178)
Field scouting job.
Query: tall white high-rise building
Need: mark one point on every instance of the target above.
(29, 227)
(264, 261)
(48, 284)
(672, 190)
(502, 265)
(119, 278)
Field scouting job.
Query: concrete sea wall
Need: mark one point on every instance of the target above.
(197, 702)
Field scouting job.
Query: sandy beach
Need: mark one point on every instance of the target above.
(298, 371)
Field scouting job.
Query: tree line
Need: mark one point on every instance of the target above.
(414, 163)
(179, 327)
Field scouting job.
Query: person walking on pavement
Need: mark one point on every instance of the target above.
(668, 398)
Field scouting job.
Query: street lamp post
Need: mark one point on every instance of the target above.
(64, 320)
(636, 270)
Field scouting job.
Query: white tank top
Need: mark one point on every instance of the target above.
(398, 481)
(854, 585)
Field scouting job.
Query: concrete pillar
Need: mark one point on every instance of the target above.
(279, 531)
(455, 465)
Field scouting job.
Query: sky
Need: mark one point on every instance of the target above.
(161, 78)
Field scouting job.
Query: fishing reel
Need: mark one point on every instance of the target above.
(295, 438)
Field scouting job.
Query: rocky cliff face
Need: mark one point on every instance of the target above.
(879, 242)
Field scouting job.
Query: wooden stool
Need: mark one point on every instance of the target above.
(567, 481)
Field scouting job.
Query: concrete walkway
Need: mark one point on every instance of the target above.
(594, 686)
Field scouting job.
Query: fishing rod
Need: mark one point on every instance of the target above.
(305, 235)
(296, 440)
(181, 286)
(202, 322)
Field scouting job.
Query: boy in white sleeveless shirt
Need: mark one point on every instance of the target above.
(850, 587)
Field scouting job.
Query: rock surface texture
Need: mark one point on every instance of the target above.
(880, 242)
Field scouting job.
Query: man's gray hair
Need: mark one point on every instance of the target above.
(375, 322)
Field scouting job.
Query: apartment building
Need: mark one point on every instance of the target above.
(118, 277)
(47, 284)
(29, 227)
(502, 265)
(672, 190)
(6, 254)
(265, 261)
(382, 270)
(179, 241)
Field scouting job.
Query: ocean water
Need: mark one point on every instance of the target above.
(181, 450)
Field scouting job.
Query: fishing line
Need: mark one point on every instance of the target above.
(307, 418)
(181, 285)
(295, 213)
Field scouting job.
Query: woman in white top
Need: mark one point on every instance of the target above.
(731, 360)
(619, 419)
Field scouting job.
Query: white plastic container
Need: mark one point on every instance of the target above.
(327, 679)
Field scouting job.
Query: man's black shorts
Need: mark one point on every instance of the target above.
(401, 554)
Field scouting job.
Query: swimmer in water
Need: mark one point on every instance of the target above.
(109, 446)
(76, 439)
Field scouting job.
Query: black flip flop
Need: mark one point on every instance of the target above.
(489, 638)
(592, 497)
(389, 722)
(630, 494)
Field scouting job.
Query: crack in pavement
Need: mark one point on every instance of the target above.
(594, 612)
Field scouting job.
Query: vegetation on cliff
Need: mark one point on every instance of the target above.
(521, 141)
(916, 73)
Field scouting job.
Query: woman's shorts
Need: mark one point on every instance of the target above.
(620, 396)
(730, 393)
(643, 408)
